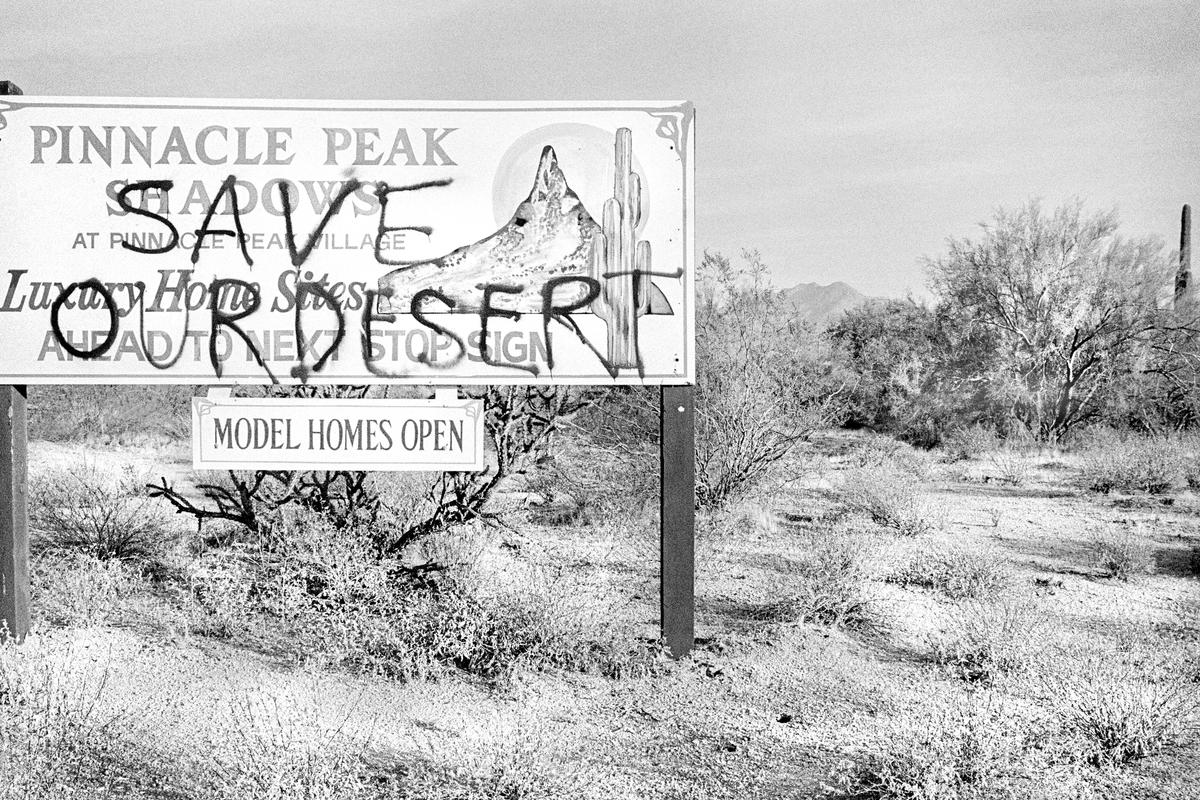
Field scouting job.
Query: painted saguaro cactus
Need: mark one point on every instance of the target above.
(620, 262)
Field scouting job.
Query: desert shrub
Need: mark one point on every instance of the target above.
(89, 510)
(1010, 464)
(80, 589)
(519, 422)
(763, 384)
(963, 443)
(56, 739)
(607, 459)
(882, 452)
(830, 585)
(1120, 551)
(327, 597)
(278, 748)
(951, 571)
(890, 348)
(970, 747)
(892, 500)
(989, 639)
(489, 634)
(1151, 464)
(1190, 445)
(220, 594)
(108, 413)
(1121, 706)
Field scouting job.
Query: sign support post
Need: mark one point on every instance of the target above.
(677, 518)
(14, 505)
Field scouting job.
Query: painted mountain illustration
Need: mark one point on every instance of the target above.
(550, 235)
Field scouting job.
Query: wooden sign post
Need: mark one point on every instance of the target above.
(14, 504)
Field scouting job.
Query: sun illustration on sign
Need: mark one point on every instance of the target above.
(549, 250)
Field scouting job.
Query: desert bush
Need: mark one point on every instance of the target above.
(609, 461)
(1121, 707)
(1120, 551)
(80, 589)
(829, 585)
(1151, 464)
(519, 422)
(890, 349)
(764, 383)
(328, 598)
(964, 443)
(56, 739)
(892, 500)
(279, 748)
(496, 634)
(89, 510)
(1010, 464)
(989, 639)
(882, 452)
(108, 413)
(972, 747)
(951, 571)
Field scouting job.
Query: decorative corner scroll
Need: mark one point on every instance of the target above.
(674, 125)
(6, 105)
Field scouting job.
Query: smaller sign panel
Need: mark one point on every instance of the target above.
(328, 434)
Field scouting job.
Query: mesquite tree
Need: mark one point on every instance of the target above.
(1050, 312)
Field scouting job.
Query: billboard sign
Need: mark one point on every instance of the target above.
(226, 241)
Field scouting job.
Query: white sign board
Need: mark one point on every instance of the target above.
(328, 434)
(204, 241)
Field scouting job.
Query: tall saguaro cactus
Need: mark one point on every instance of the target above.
(1183, 278)
(620, 262)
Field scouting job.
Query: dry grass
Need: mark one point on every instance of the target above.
(952, 571)
(56, 739)
(1121, 552)
(990, 639)
(892, 499)
(1121, 707)
(524, 670)
(81, 590)
(830, 583)
(327, 599)
(1151, 464)
(974, 746)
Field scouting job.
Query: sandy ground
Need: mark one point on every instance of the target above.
(759, 710)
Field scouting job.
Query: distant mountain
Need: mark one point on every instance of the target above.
(822, 304)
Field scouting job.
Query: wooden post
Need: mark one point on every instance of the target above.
(677, 518)
(14, 516)
(14, 506)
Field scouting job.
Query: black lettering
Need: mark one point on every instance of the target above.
(110, 304)
(228, 185)
(123, 202)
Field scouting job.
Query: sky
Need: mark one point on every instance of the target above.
(845, 141)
